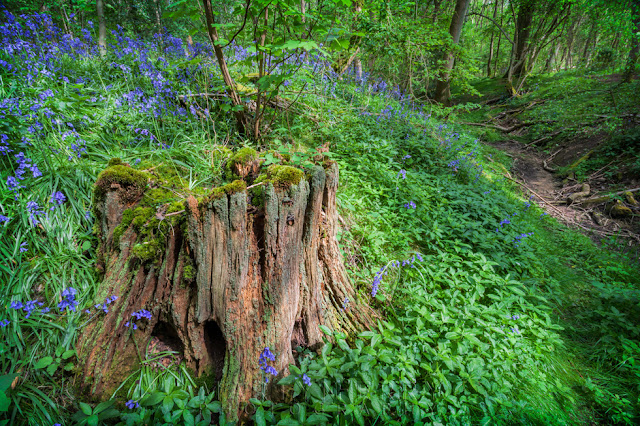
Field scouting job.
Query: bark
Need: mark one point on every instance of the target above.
(102, 29)
(443, 89)
(232, 279)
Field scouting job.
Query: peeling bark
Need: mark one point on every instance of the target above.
(266, 277)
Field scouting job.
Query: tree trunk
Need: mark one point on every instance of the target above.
(552, 57)
(156, 8)
(443, 89)
(632, 59)
(229, 280)
(495, 14)
(238, 110)
(523, 27)
(102, 29)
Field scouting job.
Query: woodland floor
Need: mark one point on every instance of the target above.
(551, 193)
(543, 166)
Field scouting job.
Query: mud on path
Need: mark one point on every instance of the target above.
(536, 178)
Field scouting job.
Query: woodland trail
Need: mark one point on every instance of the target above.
(531, 173)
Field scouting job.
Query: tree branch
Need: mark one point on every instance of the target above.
(494, 23)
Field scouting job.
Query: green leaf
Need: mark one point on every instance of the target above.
(452, 335)
(153, 399)
(4, 402)
(316, 419)
(47, 360)
(315, 391)
(288, 422)
(102, 406)
(68, 354)
(259, 417)
(51, 369)
(188, 418)
(167, 404)
(326, 330)
(85, 408)
(93, 420)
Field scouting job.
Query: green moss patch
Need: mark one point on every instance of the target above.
(122, 175)
(284, 175)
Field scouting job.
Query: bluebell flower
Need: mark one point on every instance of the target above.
(4, 323)
(264, 359)
(57, 198)
(131, 404)
(68, 299)
(377, 279)
(34, 211)
(16, 305)
(87, 215)
(4, 218)
(406, 157)
(23, 247)
(402, 173)
(410, 205)
(306, 380)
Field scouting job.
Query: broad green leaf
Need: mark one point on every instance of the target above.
(42, 363)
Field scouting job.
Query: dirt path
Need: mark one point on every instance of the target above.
(551, 194)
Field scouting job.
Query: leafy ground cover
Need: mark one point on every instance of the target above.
(493, 311)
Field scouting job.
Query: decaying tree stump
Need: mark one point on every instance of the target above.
(222, 278)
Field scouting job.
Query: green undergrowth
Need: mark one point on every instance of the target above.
(492, 312)
(510, 318)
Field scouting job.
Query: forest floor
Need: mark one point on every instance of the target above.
(553, 158)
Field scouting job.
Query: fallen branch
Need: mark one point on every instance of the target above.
(605, 198)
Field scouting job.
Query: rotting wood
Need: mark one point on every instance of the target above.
(227, 284)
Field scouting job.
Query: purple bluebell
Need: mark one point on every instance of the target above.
(131, 404)
(57, 198)
(4, 323)
(15, 304)
(4, 218)
(264, 359)
(23, 247)
(68, 299)
(410, 205)
(306, 380)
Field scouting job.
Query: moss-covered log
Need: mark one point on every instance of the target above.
(223, 278)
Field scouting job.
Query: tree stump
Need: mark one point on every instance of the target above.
(222, 278)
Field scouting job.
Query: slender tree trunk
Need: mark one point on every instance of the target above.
(102, 29)
(632, 59)
(303, 10)
(239, 112)
(261, 73)
(230, 279)
(552, 57)
(443, 89)
(495, 14)
(357, 62)
(586, 52)
(157, 12)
